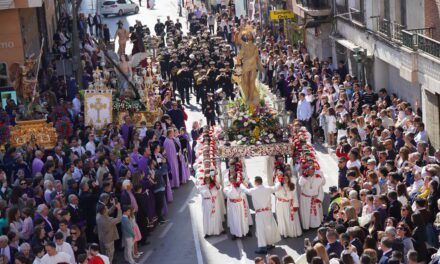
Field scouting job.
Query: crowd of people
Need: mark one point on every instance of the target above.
(94, 194)
(385, 208)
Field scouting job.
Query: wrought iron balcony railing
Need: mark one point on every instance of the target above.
(390, 30)
(352, 14)
(420, 39)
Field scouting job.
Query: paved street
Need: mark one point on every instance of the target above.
(148, 17)
(181, 239)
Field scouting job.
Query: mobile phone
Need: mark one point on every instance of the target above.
(306, 242)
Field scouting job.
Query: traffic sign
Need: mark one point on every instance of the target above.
(281, 14)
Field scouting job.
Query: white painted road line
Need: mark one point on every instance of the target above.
(196, 236)
(146, 256)
(217, 239)
(186, 203)
(243, 256)
(165, 231)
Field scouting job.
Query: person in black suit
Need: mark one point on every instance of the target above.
(97, 21)
(387, 250)
(87, 202)
(395, 205)
(419, 237)
(75, 212)
(41, 216)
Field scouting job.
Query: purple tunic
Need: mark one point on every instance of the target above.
(126, 133)
(173, 163)
(135, 157)
(150, 202)
(185, 170)
(37, 166)
(143, 165)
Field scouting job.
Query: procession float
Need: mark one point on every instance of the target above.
(31, 125)
(254, 125)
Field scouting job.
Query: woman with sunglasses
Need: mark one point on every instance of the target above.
(404, 234)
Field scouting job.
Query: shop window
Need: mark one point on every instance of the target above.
(3, 74)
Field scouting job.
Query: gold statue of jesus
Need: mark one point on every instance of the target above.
(248, 58)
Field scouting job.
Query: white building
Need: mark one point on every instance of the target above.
(387, 43)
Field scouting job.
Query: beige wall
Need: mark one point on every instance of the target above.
(51, 23)
(11, 46)
(29, 31)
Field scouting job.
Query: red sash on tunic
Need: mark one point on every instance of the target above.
(262, 210)
(290, 201)
(213, 198)
(313, 204)
(238, 200)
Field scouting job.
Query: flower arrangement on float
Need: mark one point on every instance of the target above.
(125, 104)
(303, 152)
(205, 157)
(253, 126)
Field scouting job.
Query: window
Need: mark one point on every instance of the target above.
(3, 74)
(403, 12)
(386, 9)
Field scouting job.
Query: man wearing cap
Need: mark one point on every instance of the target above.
(176, 115)
(174, 66)
(202, 89)
(212, 75)
(312, 195)
(224, 81)
(184, 82)
(209, 111)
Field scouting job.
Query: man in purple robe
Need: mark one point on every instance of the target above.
(127, 131)
(37, 163)
(143, 161)
(171, 155)
(135, 156)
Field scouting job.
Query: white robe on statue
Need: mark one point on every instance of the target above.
(311, 191)
(266, 226)
(287, 213)
(212, 218)
(239, 217)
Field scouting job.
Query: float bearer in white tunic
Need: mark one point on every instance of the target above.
(266, 227)
(239, 217)
(286, 207)
(212, 218)
(312, 194)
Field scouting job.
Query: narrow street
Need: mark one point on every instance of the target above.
(181, 239)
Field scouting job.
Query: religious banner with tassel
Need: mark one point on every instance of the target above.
(98, 106)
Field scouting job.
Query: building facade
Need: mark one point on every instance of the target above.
(24, 24)
(392, 44)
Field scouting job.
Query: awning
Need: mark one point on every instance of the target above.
(345, 42)
(6, 4)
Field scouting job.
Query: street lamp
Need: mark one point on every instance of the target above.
(284, 120)
(280, 104)
(223, 105)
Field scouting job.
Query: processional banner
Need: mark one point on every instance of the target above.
(98, 108)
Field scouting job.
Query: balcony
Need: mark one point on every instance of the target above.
(350, 13)
(315, 8)
(389, 30)
(420, 39)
